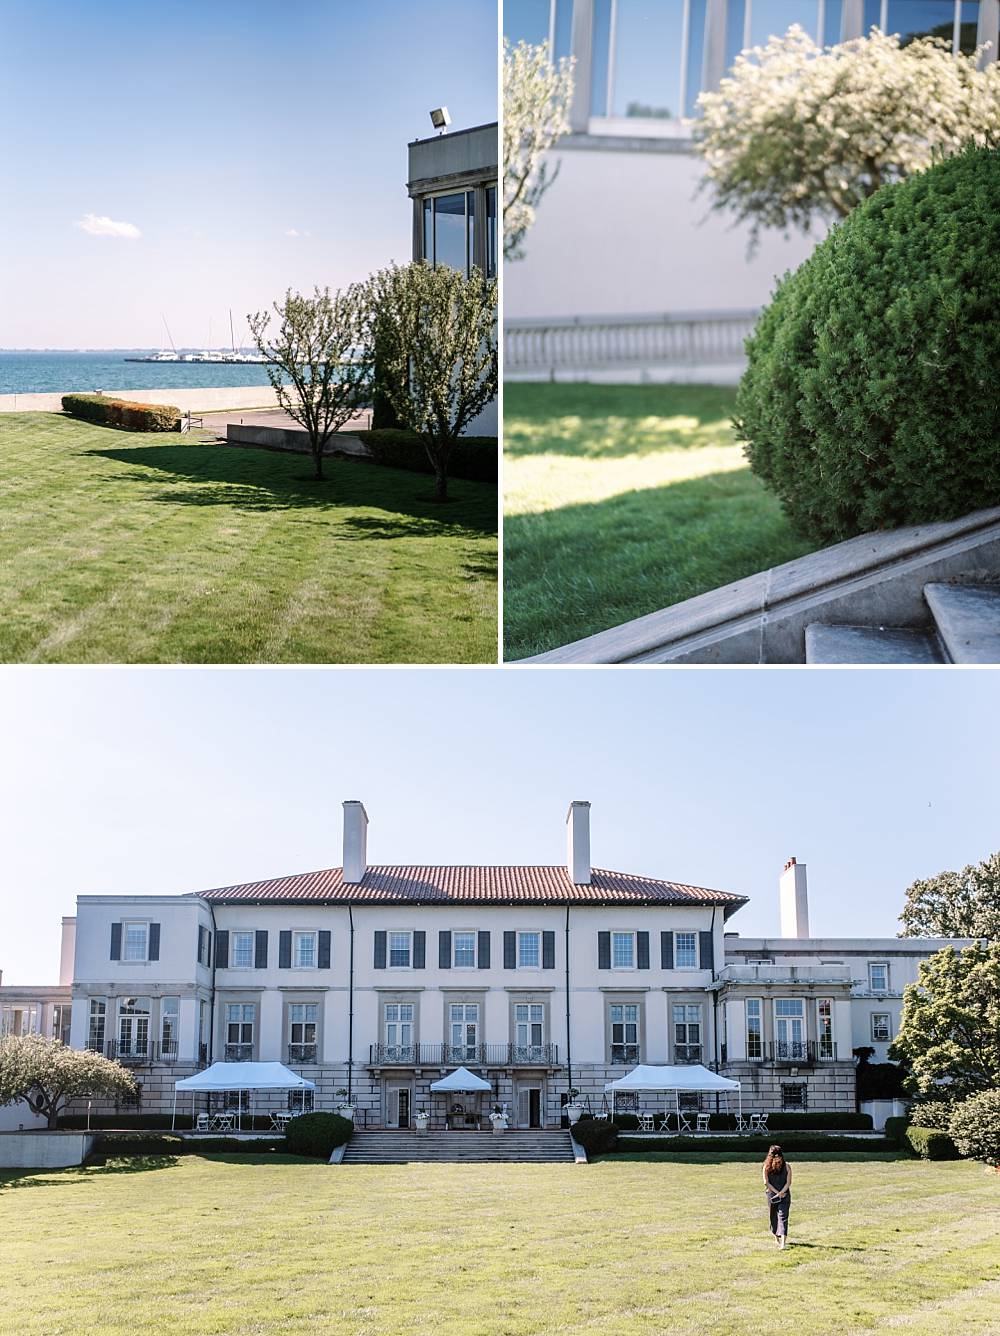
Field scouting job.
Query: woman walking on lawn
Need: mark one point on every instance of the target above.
(778, 1187)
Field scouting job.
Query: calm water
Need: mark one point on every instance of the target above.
(60, 373)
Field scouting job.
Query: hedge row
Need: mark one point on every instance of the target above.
(318, 1134)
(122, 413)
(124, 1145)
(473, 457)
(797, 1141)
(784, 1122)
(931, 1144)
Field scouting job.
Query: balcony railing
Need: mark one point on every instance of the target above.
(239, 1053)
(301, 1053)
(138, 1051)
(463, 1055)
(624, 1053)
(801, 1051)
(687, 1053)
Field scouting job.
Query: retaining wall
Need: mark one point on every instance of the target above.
(201, 400)
(44, 1150)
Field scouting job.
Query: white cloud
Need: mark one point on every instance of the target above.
(107, 227)
(294, 232)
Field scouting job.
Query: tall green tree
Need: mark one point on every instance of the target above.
(47, 1075)
(313, 363)
(433, 333)
(955, 904)
(950, 1030)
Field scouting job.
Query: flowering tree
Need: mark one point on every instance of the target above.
(47, 1074)
(315, 346)
(798, 133)
(955, 904)
(436, 335)
(536, 97)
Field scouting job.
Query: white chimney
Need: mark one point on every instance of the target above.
(67, 951)
(578, 843)
(794, 900)
(355, 842)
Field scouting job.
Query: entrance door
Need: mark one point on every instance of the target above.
(529, 1106)
(397, 1106)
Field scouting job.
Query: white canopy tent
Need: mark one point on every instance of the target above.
(461, 1082)
(239, 1076)
(691, 1078)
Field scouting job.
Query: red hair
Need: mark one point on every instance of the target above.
(775, 1159)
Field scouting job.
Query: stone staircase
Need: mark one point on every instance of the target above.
(964, 627)
(510, 1147)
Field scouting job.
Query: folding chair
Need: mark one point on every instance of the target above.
(757, 1123)
(203, 1123)
(743, 1124)
(645, 1122)
(683, 1122)
(665, 1123)
(762, 1122)
(703, 1122)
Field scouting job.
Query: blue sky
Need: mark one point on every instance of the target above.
(177, 780)
(215, 130)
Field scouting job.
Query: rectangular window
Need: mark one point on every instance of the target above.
(790, 1029)
(793, 1098)
(464, 1031)
(169, 1026)
(824, 1027)
(133, 1027)
(202, 1028)
(304, 950)
(240, 1018)
(399, 1034)
(529, 950)
(300, 1101)
(623, 950)
(529, 1031)
(241, 951)
(303, 1018)
(61, 1017)
(881, 1028)
(95, 1028)
(19, 1020)
(448, 224)
(878, 978)
(464, 949)
(685, 950)
(399, 950)
(491, 232)
(687, 1032)
(648, 59)
(135, 941)
(755, 1029)
(204, 945)
(624, 1032)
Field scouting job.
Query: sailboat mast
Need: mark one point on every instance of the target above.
(232, 336)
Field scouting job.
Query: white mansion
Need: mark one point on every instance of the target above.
(379, 979)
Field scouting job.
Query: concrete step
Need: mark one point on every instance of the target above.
(826, 643)
(459, 1147)
(968, 620)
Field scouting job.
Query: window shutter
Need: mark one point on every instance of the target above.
(154, 941)
(642, 950)
(260, 949)
(419, 950)
(222, 949)
(706, 951)
(323, 949)
(380, 950)
(666, 950)
(510, 950)
(201, 944)
(285, 950)
(116, 941)
(208, 947)
(603, 950)
(444, 950)
(548, 950)
(483, 951)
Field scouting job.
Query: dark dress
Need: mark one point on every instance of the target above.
(776, 1180)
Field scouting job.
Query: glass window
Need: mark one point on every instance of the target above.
(465, 950)
(133, 1026)
(687, 1032)
(529, 949)
(19, 1020)
(61, 1017)
(833, 18)
(623, 950)
(450, 231)
(464, 1020)
(824, 1027)
(302, 1021)
(599, 90)
(647, 61)
(968, 31)
(755, 1028)
(878, 978)
(399, 1024)
(881, 1030)
(491, 232)
(773, 18)
(95, 1029)
(300, 1101)
(873, 15)
(529, 1022)
(735, 30)
(134, 938)
(624, 1032)
(428, 251)
(239, 1030)
(695, 55)
(685, 951)
(470, 230)
(169, 1025)
(527, 21)
(399, 950)
(242, 953)
(304, 950)
(921, 18)
(789, 1028)
(793, 1097)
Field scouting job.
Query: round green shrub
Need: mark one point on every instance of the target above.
(318, 1134)
(975, 1127)
(933, 1113)
(870, 396)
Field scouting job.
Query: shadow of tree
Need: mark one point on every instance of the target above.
(97, 1164)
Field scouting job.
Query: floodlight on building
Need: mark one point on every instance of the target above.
(440, 118)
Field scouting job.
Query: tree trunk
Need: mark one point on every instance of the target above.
(440, 483)
(317, 453)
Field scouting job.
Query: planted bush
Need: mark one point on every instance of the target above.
(869, 399)
(122, 412)
(596, 1136)
(472, 457)
(895, 1129)
(975, 1127)
(930, 1143)
(318, 1134)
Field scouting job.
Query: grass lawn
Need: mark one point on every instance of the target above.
(623, 499)
(153, 548)
(654, 1244)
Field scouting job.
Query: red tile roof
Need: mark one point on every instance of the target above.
(473, 885)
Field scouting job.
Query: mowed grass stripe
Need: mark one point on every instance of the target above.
(646, 1244)
(135, 547)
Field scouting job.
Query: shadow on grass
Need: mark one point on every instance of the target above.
(209, 475)
(707, 1157)
(95, 1165)
(612, 421)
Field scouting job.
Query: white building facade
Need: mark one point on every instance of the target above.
(374, 981)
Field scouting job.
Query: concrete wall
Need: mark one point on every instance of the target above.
(44, 1150)
(16, 1116)
(189, 400)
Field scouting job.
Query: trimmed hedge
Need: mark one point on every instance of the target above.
(122, 413)
(776, 1122)
(756, 1145)
(895, 1129)
(930, 1143)
(596, 1136)
(869, 399)
(473, 457)
(122, 1145)
(318, 1134)
(124, 1122)
(975, 1127)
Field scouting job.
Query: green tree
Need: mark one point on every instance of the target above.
(47, 1074)
(316, 348)
(436, 336)
(950, 1030)
(536, 98)
(798, 133)
(955, 904)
